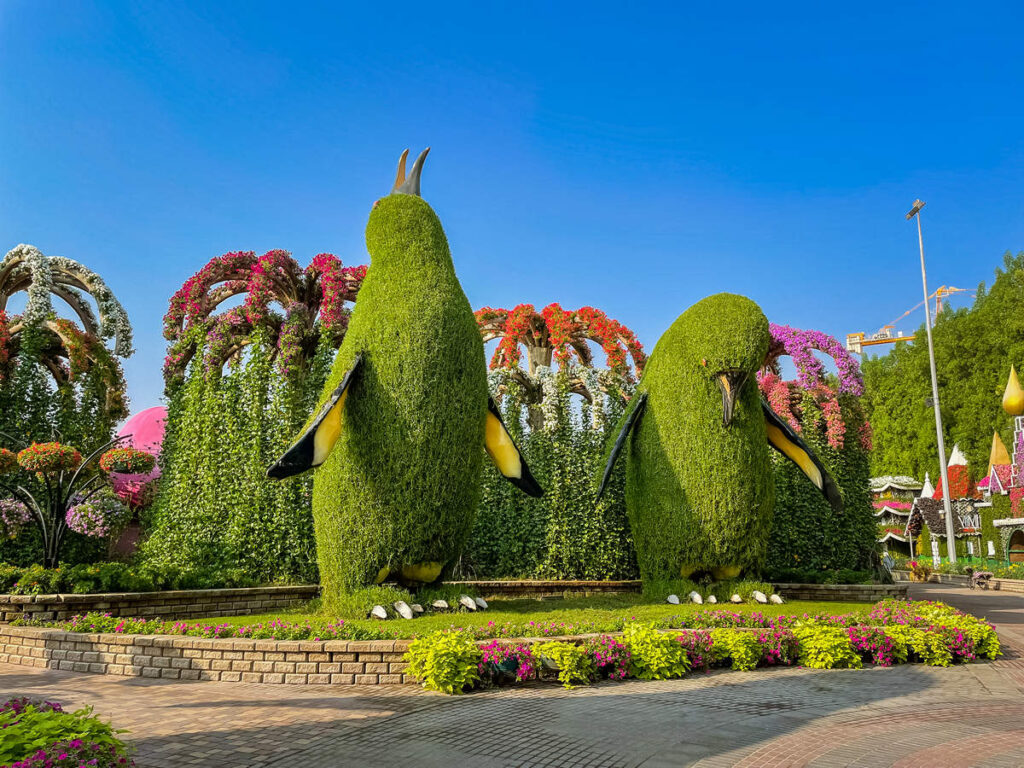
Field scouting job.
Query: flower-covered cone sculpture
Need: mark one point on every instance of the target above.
(699, 487)
(404, 417)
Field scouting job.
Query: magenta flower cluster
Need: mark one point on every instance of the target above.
(872, 643)
(612, 659)
(698, 645)
(517, 659)
(779, 647)
(801, 345)
(74, 754)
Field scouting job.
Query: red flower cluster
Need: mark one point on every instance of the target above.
(129, 461)
(8, 461)
(49, 457)
(566, 333)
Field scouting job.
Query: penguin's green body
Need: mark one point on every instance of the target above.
(398, 443)
(699, 487)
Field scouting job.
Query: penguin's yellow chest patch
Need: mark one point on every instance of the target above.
(328, 431)
(501, 449)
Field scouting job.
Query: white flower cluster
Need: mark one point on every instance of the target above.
(26, 268)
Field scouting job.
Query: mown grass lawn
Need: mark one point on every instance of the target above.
(597, 610)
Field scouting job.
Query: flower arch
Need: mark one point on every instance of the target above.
(312, 302)
(562, 336)
(786, 397)
(70, 351)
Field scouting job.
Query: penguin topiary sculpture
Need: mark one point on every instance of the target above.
(405, 415)
(699, 485)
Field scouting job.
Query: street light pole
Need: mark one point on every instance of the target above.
(947, 506)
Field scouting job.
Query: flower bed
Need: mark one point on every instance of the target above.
(930, 633)
(41, 734)
(894, 632)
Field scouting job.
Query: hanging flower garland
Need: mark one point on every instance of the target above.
(555, 335)
(786, 397)
(313, 299)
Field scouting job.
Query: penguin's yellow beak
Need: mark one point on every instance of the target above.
(730, 383)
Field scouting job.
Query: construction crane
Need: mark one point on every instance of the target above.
(887, 334)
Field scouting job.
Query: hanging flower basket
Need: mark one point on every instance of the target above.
(128, 461)
(49, 457)
(99, 517)
(13, 516)
(8, 461)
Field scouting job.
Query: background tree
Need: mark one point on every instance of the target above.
(974, 349)
(240, 381)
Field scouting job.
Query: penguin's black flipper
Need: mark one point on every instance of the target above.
(787, 442)
(316, 442)
(632, 420)
(506, 455)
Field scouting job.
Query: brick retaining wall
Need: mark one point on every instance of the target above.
(373, 662)
(960, 580)
(850, 593)
(173, 605)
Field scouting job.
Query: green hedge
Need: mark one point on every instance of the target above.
(114, 577)
(216, 509)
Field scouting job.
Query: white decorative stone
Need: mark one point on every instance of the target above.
(403, 609)
(674, 599)
(480, 603)
(759, 596)
(712, 599)
(775, 598)
(736, 599)
(440, 605)
(696, 598)
(416, 608)
(467, 602)
(379, 612)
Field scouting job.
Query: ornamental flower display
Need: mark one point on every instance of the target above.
(47, 458)
(8, 461)
(72, 351)
(787, 397)
(100, 517)
(63, 479)
(313, 299)
(555, 335)
(129, 461)
(13, 517)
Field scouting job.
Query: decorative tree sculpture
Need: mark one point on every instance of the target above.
(240, 382)
(75, 354)
(562, 336)
(69, 492)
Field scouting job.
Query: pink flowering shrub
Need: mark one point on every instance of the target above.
(612, 659)
(699, 647)
(778, 646)
(504, 659)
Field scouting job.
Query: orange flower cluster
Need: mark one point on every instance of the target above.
(49, 457)
(566, 333)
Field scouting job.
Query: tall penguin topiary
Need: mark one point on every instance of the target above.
(404, 416)
(699, 487)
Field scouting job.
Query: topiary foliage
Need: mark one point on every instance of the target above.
(402, 483)
(700, 494)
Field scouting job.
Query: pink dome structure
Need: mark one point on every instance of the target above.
(145, 432)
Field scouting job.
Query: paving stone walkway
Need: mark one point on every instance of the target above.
(909, 716)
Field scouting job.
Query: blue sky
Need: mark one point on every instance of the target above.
(633, 157)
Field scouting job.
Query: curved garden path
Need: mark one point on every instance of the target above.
(905, 716)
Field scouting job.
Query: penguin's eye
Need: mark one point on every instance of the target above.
(376, 203)
(704, 362)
